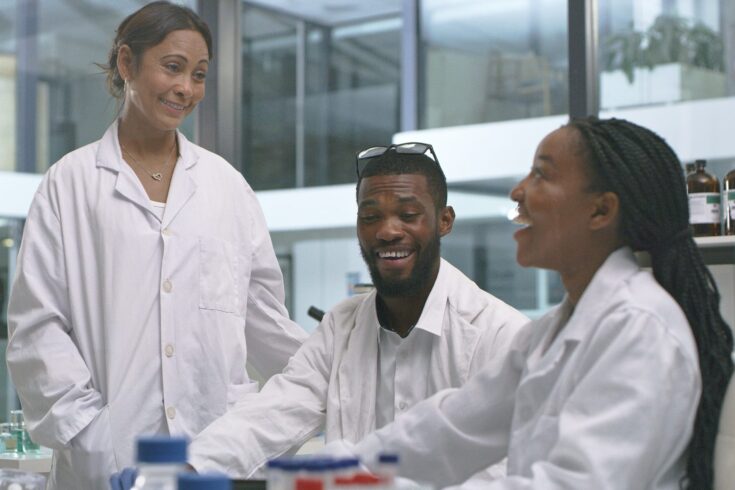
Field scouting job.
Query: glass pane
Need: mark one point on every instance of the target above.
(352, 95)
(269, 50)
(10, 233)
(654, 53)
(492, 60)
(53, 95)
(486, 252)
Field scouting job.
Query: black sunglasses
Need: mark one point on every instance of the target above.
(413, 148)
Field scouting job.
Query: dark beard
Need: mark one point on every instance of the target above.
(420, 275)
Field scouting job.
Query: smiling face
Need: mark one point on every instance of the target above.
(167, 82)
(399, 228)
(562, 217)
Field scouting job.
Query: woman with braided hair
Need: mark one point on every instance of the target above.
(621, 385)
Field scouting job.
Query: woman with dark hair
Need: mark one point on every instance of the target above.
(621, 385)
(146, 274)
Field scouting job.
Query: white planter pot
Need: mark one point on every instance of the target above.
(671, 82)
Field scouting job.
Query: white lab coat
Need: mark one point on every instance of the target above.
(609, 405)
(332, 379)
(122, 323)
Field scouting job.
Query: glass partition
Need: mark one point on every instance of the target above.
(492, 61)
(53, 94)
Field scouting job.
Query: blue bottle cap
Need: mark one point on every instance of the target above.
(162, 450)
(348, 462)
(206, 481)
(390, 458)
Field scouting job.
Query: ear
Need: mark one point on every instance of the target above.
(446, 220)
(606, 211)
(125, 62)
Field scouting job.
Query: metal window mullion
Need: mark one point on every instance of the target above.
(26, 86)
(409, 91)
(584, 94)
(300, 101)
(219, 122)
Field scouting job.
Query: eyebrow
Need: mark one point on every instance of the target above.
(546, 159)
(181, 56)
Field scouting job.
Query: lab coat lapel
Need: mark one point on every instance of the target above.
(183, 185)
(358, 375)
(110, 157)
(542, 367)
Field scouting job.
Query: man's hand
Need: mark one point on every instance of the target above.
(123, 480)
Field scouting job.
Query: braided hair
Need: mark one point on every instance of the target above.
(642, 169)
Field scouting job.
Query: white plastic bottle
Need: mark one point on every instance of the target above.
(160, 460)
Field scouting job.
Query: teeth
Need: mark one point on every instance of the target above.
(516, 217)
(394, 254)
(171, 104)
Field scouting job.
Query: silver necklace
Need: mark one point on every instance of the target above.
(157, 176)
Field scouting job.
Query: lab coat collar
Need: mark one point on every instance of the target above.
(575, 321)
(618, 267)
(183, 185)
(109, 154)
(432, 315)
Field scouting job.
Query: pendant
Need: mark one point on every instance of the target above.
(157, 176)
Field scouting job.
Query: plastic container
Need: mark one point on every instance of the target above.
(18, 429)
(21, 480)
(387, 467)
(8, 442)
(207, 481)
(160, 460)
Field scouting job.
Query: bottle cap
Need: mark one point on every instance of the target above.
(162, 450)
(206, 481)
(390, 458)
(16, 417)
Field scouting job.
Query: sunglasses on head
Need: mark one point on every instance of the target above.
(414, 148)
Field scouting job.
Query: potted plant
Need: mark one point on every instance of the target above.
(673, 60)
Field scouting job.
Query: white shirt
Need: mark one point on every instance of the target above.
(402, 367)
(124, 323)
(609, 405)
(332, 379)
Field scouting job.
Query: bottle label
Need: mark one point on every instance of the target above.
(730, 204)
(704, 208)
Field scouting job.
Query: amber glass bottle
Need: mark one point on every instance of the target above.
(704, 201)
(728, 198)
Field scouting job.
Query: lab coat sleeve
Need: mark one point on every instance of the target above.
(50, 376)
(455, 433)
(288, 411)
(272, 337)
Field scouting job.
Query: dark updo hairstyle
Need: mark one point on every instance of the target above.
(145, 28)
(394, 163)
(642, 169)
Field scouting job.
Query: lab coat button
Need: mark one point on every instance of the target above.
(171, 412)
(166, 232)
(167, 286)
(169, 350)
(402, 406)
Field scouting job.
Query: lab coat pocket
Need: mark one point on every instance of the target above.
(237, 392)
(218, 276)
